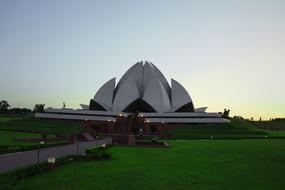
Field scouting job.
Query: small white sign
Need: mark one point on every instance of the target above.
(51, 160)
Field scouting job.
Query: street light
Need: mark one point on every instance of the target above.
(77, 145)
(39, 148)
(164, 128)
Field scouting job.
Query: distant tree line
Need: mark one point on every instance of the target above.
(4, 109)
(20, 111)
(238, 117)
(4, 106)
(277, 119)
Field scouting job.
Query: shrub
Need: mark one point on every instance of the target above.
(12, 177)
(44, 136)
(154, 140)
(98, 153)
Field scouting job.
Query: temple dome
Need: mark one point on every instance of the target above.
(142, 88)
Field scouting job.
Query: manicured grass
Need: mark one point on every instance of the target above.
(274, 124)
(14, 127)
(43, 126)
(236, 129)
(5, 119)
(197, 164)
(8, 138)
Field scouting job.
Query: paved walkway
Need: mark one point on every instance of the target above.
(20, 159)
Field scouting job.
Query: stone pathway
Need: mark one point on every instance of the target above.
(19, 159)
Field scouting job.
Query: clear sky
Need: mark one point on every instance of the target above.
(226, 53)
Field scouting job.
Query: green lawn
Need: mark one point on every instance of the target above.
(5, 119)
(14, 127)
(274, 124)
(10, 144)
(39, 125)
(8, 138)
(197, 164)
(236, 129)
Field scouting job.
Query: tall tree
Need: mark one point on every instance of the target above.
(4, 105)
(226, 113)
(39, 108)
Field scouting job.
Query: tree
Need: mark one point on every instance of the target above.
(226, 113)
(40, 108)
(20, 111)
(4, 106)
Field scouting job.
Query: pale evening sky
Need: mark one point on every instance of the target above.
(226, 53)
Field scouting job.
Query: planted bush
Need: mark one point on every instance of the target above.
(155, 140)
(12, 177)
(98, 153)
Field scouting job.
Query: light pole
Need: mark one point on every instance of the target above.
(39, 148)
(163, 128)
(77, 146)
(167, 130)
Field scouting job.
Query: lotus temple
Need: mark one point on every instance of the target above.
(141, 102)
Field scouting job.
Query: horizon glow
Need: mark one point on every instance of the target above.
(227, 54)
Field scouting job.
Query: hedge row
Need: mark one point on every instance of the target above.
(10, 178)
(11, 149)
(98, 153)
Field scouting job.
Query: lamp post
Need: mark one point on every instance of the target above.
(146, 126)
(167, 130)
(108, 125)
(163, 128)
(77, 146)
(39, 148)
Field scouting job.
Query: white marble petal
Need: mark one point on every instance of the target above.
(200, 110)
(179, 95)
(104, 96)
(126, 94)
(148, 75)
(84, 106)
(137, 74)
(162, 79)
(156, 95)
(125, 76)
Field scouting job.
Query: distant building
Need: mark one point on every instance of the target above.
(143, 96)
